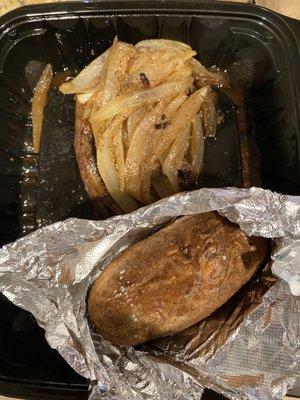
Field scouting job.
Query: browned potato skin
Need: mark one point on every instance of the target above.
(173, 279)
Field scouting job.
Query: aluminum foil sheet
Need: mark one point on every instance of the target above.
(248, 349)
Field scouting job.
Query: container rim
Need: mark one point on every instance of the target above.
(75, 9)
(211, 7)
(287, 28)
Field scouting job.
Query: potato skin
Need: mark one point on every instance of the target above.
(173, 279)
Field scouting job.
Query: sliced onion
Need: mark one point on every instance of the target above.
(84, 97)
(118, 149)
(184, 115)
(145, 56)
(114, 74)
(147, 169)
(116, 71)
(107, 169)
(88, 78)
(147, 117)
(175, 157)
(181, 73)
(181, 119)
(136, 152)
(148, 63)
(38, 105)
(153, 73)
(141, 97)
(196, 147)
(134, 119)
(173, 106)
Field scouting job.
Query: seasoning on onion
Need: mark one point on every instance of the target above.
(38, 104)
(148, 108)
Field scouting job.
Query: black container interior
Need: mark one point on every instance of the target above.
(258, 49)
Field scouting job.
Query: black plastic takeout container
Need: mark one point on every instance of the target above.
(260, 50)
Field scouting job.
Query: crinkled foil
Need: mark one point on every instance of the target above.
(248, 349)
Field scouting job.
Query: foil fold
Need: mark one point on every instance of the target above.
(248, 349)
